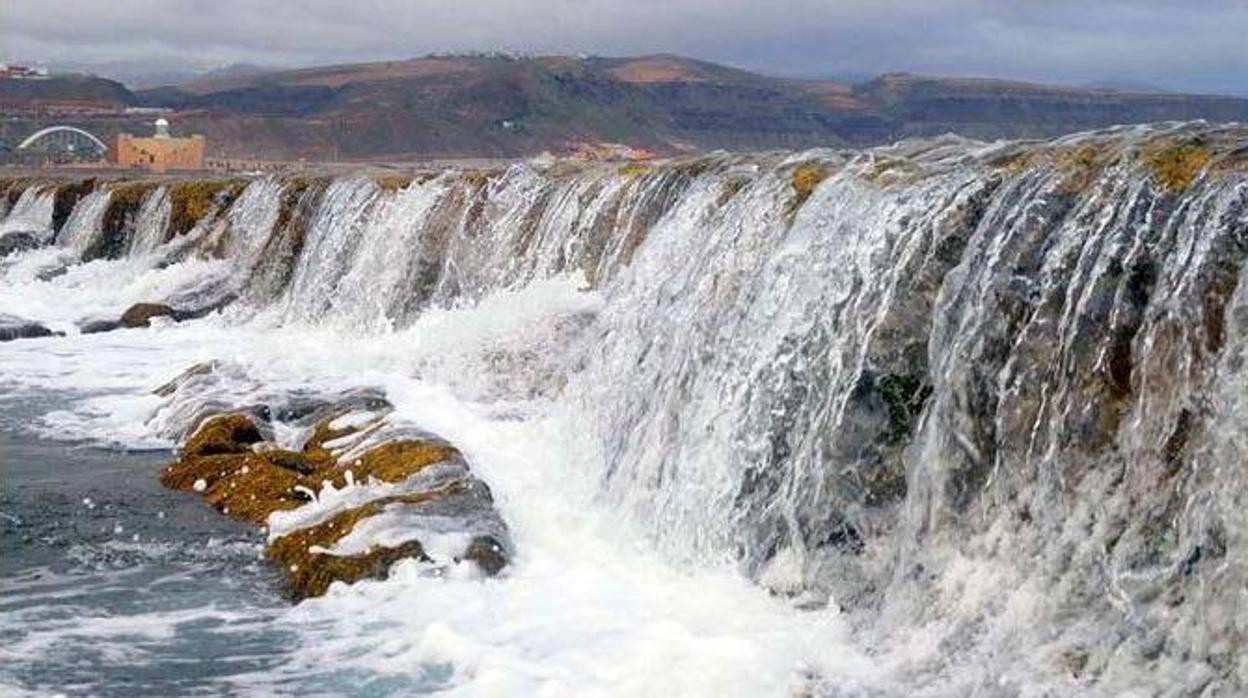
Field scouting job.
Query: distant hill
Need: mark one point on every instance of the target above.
(64, 91)
(987, 108)
(154, 70)
(501, 106)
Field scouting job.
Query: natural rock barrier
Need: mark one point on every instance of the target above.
(352, 500)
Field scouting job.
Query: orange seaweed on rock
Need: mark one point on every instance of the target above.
(804, 178)
(250, 482)
(1174, 164)
(309, 567)
(228, 461)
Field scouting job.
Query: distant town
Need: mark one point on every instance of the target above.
(70, 144)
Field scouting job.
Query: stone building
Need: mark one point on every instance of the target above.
(159, 153)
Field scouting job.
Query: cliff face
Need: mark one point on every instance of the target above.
(991, 397)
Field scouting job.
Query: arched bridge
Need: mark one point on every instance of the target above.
(64, 138)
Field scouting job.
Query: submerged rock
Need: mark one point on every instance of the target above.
(142, 314)
(19, 241)
(13, 327)
(401, 483)
(97, 325)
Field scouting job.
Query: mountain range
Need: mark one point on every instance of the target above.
(507, 106)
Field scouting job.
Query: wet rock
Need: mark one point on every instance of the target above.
(97, 325)
(141, 314)
(202, 368)
(226, 434)
(204, 309)
(192, 201)
(489, 554)
(13, 327)
(18, 242)
(232, 463)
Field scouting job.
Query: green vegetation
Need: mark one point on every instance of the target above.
(309, 572)
(1079, 165)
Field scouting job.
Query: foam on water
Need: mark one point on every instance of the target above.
(586, 608)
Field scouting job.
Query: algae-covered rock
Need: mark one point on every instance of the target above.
(230, 433)
(230, 461)
(395, 460)
(804, 178)
(1174, 165)
(191, 201)
(394, 181)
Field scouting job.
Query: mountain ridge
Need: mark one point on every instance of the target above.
(497, 105)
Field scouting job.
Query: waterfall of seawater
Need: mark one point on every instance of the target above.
(32, 212)
(983, 409)
(85, 224)
(151, 222)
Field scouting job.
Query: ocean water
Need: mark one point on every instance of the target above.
(112, 585)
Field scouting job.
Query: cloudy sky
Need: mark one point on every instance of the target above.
(1194, 45)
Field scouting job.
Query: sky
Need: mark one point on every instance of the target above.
(1188, 45)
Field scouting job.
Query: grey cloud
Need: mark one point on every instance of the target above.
(1197, 45)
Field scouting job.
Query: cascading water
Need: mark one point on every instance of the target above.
(32, 212)
(85, 224)
(151, 222)
(978, 410)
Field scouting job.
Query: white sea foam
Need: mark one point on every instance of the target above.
(586, 607)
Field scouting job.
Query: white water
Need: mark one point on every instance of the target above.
(84, 224)
(587, 608)
(31, 213)
(152, 220)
